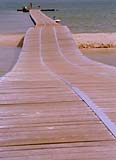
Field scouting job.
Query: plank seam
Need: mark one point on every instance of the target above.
(102, 116)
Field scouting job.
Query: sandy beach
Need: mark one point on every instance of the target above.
(11, 40)
(83, 40)
(95, 40)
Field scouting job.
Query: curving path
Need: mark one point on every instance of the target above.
(55, 103)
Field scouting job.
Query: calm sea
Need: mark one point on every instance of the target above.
(78, 15)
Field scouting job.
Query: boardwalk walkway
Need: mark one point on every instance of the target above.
(56, 104)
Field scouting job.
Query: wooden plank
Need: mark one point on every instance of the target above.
(41, 19)
(100, 150)
(65, 64)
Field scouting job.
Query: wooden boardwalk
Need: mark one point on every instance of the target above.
(56, 104)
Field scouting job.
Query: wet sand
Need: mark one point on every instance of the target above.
(103, 55)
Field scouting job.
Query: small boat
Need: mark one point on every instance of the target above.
(57, 20)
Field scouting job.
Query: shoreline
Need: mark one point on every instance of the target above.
(83, 40)
(11, 40)
(95, 40)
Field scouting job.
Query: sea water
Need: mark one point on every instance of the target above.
(8, 57)
(102, 55)
(78, 15)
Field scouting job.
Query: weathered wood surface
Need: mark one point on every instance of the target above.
(41, 19)
(44, 113)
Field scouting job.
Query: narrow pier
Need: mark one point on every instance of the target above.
(56, 104)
